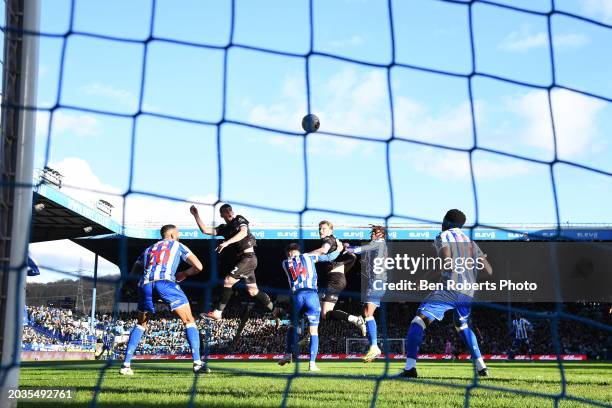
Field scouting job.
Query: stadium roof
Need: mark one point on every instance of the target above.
(57, 218)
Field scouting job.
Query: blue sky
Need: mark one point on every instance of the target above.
(179, 158)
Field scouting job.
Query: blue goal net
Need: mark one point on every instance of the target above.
(423, 106)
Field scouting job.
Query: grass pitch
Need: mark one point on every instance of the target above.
(263, 384)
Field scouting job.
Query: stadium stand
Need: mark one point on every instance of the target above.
(259, 336)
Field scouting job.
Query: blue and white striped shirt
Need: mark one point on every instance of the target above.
(520, 328)
(461, 248)
(301, 272)
(161, 260)
(108, 338)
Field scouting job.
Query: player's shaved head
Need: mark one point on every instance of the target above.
(292, 247)
(166, 230)
(227, 213)
(453, 219)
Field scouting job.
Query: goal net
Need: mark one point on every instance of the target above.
(424, 106)
(356, 345)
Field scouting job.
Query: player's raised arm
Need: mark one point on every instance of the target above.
(196, 215)
(370, 246)
(377, 242)
(244, 231)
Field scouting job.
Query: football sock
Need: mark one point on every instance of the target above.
(480, 364)
(469, 338)
(414, 338)
(225, 298)
(264, 299)
(371, 330)
(337, 315)
(314, 347)
(410, 363)
(135, 336)
(291, 337)
(193, 337)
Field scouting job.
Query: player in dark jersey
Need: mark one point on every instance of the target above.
(236, 233)
(335, 282)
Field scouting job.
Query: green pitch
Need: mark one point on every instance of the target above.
(235, 384)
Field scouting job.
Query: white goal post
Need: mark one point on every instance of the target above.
(19, 80)
(360, 345)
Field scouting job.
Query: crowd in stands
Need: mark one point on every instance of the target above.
(165, 333)
(37, 339)
(60, 324)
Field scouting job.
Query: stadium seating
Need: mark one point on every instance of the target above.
(165, 333)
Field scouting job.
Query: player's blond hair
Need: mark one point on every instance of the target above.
(328, 223)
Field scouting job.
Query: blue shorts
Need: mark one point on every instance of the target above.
(306, 303)
(373, 301)
(439, 301)
(374, 296)
(170, 292)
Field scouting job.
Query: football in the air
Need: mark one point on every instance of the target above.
(311, 123)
